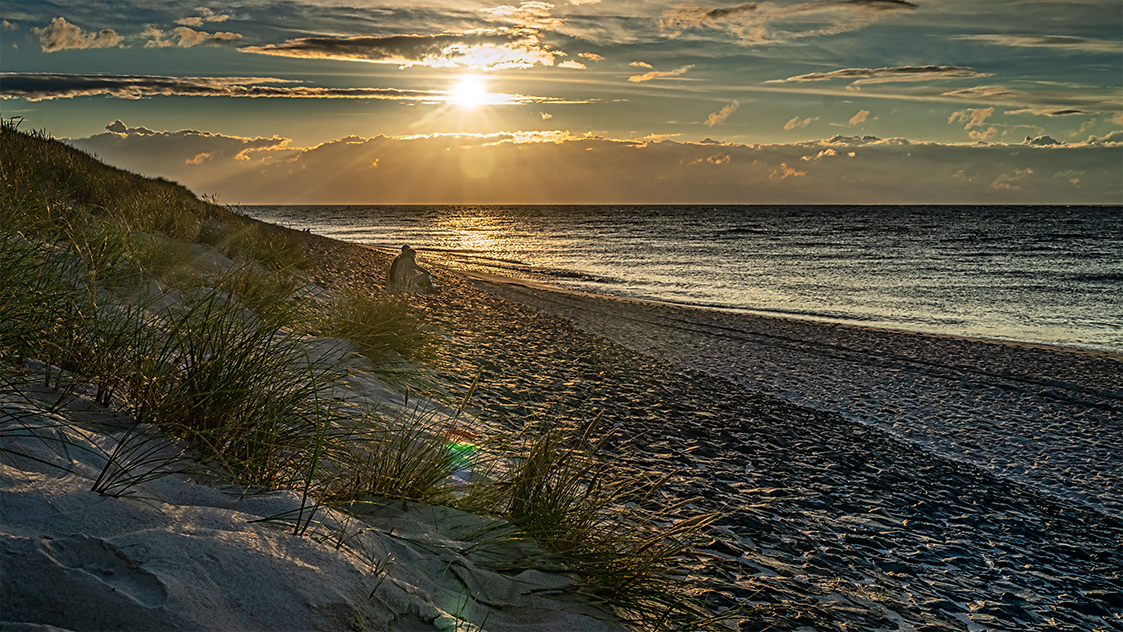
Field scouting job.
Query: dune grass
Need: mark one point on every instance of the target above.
(33, 297)
(406, 459)
(105, 280)
(610, 529)
(381, 325)
(102, 287)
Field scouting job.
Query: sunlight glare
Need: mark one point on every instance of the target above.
(469, 92)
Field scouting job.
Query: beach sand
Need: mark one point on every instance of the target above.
(1047, 416)
(872, 479)
(868, 479)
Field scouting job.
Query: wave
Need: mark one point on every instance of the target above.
(460, 257)
(473, 254)
(1107, 277)
(988, 271)
(744, 230)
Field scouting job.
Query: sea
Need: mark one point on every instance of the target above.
(1040, 274)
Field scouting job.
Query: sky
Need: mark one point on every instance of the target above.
(583, 101)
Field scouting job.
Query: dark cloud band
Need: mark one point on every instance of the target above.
(46, 86)
(503, 48)
(902, 73)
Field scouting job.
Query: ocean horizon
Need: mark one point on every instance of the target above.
(1037, 274)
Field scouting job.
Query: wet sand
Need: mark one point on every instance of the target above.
(871, 479)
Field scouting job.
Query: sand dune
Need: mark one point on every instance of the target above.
(184, 552)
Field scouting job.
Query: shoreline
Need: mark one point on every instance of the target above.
(499, 279)
(912, 385)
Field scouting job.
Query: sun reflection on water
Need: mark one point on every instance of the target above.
(484, 235)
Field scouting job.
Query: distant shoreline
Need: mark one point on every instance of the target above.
(546, 287)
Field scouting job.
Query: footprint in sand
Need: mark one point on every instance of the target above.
(108, 564)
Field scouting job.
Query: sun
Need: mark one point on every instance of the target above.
(469, 92)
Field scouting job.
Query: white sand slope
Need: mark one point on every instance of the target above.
(182, 553)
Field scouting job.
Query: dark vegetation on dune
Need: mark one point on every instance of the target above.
(201, 326)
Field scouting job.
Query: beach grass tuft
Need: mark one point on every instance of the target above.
(383, 326)
(630, 553)
(403, 457)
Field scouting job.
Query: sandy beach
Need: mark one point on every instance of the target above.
(869, 480)
(874, 480)
(1046, 416)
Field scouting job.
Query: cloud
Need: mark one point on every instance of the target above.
(880, 5)
(715, 159)
(640, 64)
(693, 15)
(545, 116)
(1048, 100)
(984, 92)
(554, 166)
(1041, 141)
(1008, 181)
(491, 50)
(205, 15)
(528, 15)
(1068, 174)
(1046, 112)
(570, 63)
(657, 75)
(971, 118)
(797, 122)
(980, 136)
(860, 117)
(591, 56)
(722, 114)
(62, 35)
(188, 37)
(1039, 97)
(184, 149)
(859, 141)
(863, 76)
(222, 37)
(185, 37)
(47, 86)
(1111, 139)
(753, 23)
(827, 153)
(784, 171)
(1053, 42)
